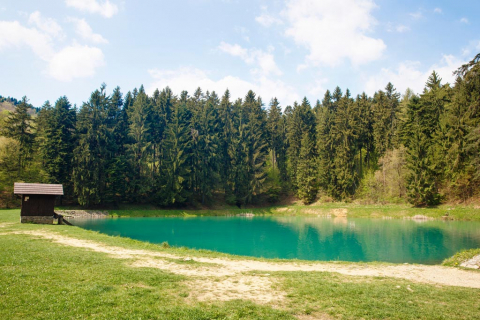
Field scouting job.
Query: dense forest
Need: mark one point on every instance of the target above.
(189, 149)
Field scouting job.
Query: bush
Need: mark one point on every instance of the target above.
(388, 182)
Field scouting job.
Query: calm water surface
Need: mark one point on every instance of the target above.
(307, 238)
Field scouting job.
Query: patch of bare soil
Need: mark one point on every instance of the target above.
(225, 279)
(340, 212)
(6, 224)
(313, 211)
(251, 287)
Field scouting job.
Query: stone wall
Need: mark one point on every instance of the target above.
(37, 219)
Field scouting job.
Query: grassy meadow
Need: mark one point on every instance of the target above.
(41, 279)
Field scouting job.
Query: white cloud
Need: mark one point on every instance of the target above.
(83, 29)
(105, 8)
(75, 62)
(464, 20)
(264, 60)
(47, 25)
(235, 50)
(69, 63)
(437, 10)
(14, 35)
(410, 74)
(416, 15)
(267, 20)
(191, 78)
(334, 30)
(401, 28)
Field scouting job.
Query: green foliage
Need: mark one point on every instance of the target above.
(89, 173)
(178, 150)
(460, 257)
(421, 178)
(306, 174)
(139, 115)
(387, 184)
(385, 111)
(175, 168)
(299, 123)
(18, 125)
(56, 138)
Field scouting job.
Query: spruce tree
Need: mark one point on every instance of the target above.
(139, 115)
(421, 178)
(225, 131)
(176, 169)
(275, 130)
(207, 146)
(89, 172)
(326, 143)
(19, 126)
(344, 134)
(306, 173)
(57, 143)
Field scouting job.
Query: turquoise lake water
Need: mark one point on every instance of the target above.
(306, 238)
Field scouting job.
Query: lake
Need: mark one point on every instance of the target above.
(305, 238)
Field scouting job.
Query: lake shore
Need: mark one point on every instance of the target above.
(113, 277)
(332, 209)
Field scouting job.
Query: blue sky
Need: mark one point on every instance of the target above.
(287, 49)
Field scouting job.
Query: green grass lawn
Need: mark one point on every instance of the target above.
(40, 279)
(397, 211)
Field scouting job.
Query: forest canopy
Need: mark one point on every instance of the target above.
(189, 148)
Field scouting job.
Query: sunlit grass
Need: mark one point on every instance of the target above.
(40, 279)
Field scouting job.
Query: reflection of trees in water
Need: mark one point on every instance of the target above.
(392, 240)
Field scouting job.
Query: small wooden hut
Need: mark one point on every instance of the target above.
(38, 201)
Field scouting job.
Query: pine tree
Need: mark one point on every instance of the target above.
(207, 146)
(256, 135)
(466, 98)
(301, 122)
(326, 143)
(238, 150)
(139, 115)
(57, 131)
(275, 130)
(225, 129)
(306, 173)
(344, 134)
(421, 178)
(364, 129)
(176, 168)
(18, 126)
(117, 166)
(89, 173)
(385, 113)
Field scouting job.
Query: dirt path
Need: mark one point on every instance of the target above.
(231, 282)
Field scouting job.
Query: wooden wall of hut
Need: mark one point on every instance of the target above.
(37, 205)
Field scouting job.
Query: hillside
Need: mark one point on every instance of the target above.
(6, 106)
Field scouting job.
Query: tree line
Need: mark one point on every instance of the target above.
(169, 149)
